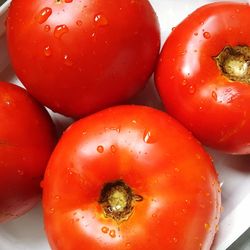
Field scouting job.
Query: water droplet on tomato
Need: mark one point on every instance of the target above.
(184, 211)
(203, 178)
(67, 60)
(100, 149)
(207, 226)
(52, 210)
(148, 137)
(57, 197)
(175, 240)
(202, 206)
(46, 28)
(8, 102)
(101, 20)
(105, 230)
(191, 89)
(20, 172)
(78, 22)
(112, 233)
(47, 51)
(184, 82)
(198, 156)
(69, 171)
(113, 148)
(44, 15)
(128, 244)
(206, 35)
(176, 169)
(117, 129)
(214, 95)
(60, 30)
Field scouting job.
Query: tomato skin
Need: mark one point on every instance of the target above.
(160, 161)
(193, 88)
(86, 55)
(27, 137)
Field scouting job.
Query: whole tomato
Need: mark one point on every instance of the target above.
(79, 56)
(203, 75)
(27, 137)
(130, 177)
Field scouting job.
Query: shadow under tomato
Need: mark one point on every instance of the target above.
(239, 163)
(148, 96)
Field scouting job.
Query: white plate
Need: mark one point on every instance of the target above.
(26, 233)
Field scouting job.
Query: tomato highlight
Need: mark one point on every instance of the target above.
(203, 75)
(118, 179)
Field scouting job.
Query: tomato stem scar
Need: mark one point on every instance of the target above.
(234, 63)
(117, 200)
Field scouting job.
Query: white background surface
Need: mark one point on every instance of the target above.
(26, 233)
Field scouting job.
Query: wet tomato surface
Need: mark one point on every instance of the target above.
(27, 138)
(77, 57)
(130, 177)
(203, 75)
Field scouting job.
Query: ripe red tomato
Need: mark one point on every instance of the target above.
(203, 75)
(27, 137)
(79, 56)
(130, 177)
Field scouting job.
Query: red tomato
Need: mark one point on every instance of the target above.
(130, 177)
(77, 57)
(203, 75)
(27, 137)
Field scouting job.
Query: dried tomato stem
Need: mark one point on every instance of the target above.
(234, 63)
(117, 200)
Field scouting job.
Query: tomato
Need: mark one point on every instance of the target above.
(130, 177)
(79, 56)
(27, 137)
(203, 75)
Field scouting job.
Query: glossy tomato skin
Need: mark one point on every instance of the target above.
(193, 88)
(27, 137)
(151, 153)
(83, 55)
